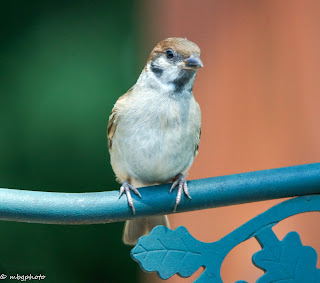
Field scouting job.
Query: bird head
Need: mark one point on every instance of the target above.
(174, 63)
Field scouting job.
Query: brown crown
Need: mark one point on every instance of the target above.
(181, 45)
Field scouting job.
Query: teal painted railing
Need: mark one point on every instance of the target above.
(169, 252)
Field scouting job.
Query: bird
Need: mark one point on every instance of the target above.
(154, 129)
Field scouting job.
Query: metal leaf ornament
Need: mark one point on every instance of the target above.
(287, 261)
(169, 251)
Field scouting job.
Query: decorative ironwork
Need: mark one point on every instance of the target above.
(170, 252)
(175, 251)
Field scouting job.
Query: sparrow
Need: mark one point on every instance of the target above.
(154, 129)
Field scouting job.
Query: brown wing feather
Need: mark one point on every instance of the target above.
(197, 145)
(112, 125)
(114, 119)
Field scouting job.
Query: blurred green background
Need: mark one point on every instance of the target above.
(62, 67)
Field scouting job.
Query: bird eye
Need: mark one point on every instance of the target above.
(169, 54)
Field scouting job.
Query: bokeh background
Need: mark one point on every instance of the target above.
(64, 64)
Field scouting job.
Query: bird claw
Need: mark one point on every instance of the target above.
(126, 187)
(181, 182)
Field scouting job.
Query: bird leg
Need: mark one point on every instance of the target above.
(126, 187)
(181, 182)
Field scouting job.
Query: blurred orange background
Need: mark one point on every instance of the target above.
(259, 96)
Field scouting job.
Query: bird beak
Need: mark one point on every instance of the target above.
(193, 62)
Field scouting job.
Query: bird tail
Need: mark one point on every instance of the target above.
(136, 228)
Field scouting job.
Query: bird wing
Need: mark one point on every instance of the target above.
(198, 119)
(196, 148)
(112, 125)
(114, 118)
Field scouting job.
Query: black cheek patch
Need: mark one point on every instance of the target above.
(156, 70)
(180, 82)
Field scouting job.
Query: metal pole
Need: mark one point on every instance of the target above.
(104, 207)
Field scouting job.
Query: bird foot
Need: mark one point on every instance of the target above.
(126, 187)
(181, 182)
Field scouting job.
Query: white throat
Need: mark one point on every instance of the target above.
(169, 81)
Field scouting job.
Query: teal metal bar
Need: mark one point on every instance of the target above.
(104, 207)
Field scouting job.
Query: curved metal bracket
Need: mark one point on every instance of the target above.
(175, 251)
(170, 252)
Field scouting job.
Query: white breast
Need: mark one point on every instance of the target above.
(155, 137)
